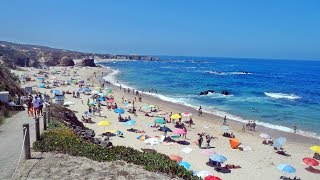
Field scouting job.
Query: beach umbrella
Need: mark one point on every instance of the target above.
(104, 123)
(165, 129)
(108, 90)
(91, 103)
(175, 116)
(286, 168)
(203, 174)
(265, 136)
(185, 164)
(315, 148)
(208, 152)
(102, 94)
(175, 157)
(218, 158)
(152, 141)
(152, 106)
(129, 123)
(110, 100)
(143, 137)
(279, 142)
(41, 85)
(179, 131)
(111, 131)
(119, 111)
(310, 161)
(211, 177)
(186, 114)
(159, 121)
(234, 143)
(56, 92)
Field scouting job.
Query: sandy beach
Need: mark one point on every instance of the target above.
(258, 163)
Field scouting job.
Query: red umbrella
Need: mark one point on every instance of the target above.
(211, 177)
(310, 161)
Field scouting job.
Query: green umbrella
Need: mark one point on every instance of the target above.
(159, 121)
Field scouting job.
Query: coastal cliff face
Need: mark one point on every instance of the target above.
(23, 55)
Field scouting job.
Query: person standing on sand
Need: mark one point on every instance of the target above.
(225, 120)
(184, 135)
(200, 111)
(200, 140)
(295, 128)
(243, 128)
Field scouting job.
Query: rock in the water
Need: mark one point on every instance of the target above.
(225, 92)
(206, 92)
(88, 62)
(66, 61)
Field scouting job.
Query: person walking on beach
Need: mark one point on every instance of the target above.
(295, 128)
(190, 122)
(200, 111)
(200, 140)
(243, 128)
(184, 135)
(208, 139)
(225, 120)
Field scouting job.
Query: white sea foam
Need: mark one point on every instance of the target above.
(228, 73)
(282, 96)
(187, 101)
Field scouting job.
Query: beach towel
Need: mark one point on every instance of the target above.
(187, 150)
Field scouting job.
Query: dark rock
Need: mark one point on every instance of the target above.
(225, 93)
(66, 61)
(206, 92)
(88, 62)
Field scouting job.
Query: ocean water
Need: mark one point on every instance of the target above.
(275, 93)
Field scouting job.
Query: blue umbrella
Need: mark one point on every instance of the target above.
(218, 158)
(56, 92)
(286, 168)
(41, 85)
(85, 90)
(129, 123)
(185, 164)
(119, 111)
(165, 129)
(279, 142)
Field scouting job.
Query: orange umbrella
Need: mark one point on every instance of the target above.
(175, 157)
(234, 143)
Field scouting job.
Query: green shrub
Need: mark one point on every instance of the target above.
(63, 140)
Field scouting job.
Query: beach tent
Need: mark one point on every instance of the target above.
(234, 143)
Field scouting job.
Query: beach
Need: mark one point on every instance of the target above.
(258, 163)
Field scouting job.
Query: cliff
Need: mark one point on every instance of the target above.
(14, 55)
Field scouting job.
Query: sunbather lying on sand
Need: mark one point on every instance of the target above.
(231, 166)
(86, 120)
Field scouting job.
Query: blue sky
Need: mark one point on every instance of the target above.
(285, 29)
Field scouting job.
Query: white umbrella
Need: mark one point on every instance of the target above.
(152, 141)
(186, 114)
(203, 174)
(95, 92)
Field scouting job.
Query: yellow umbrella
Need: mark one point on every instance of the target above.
(315, 148)
(104, 123)
(175, 116)
(111, 131)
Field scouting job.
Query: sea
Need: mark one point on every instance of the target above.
(275, 93)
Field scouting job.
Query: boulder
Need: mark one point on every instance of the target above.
(225, 93)
(88, 62)
(206, 92)
(66, 61)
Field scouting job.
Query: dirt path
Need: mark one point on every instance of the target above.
(11, 136)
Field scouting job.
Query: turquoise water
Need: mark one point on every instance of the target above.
(276, 93)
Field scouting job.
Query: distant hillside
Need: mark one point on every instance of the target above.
(14, 55)
(9, 82)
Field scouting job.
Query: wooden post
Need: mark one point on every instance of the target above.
(37, 129)
(26, 138)
(44, 121)
(49, 116)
